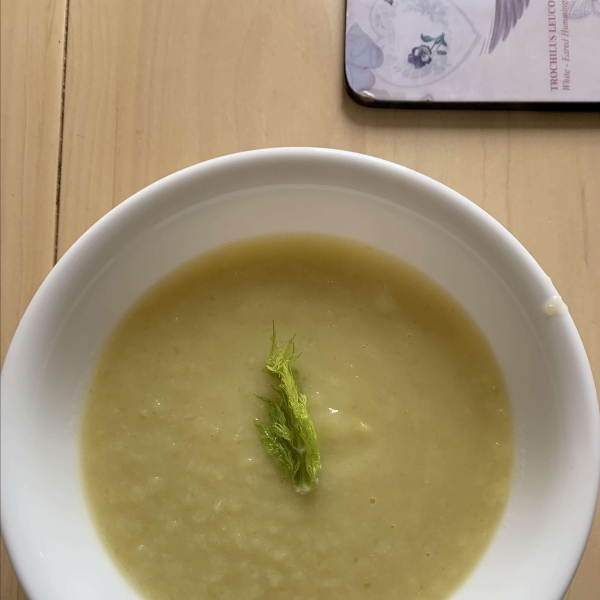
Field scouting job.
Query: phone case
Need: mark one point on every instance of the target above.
(542, 54)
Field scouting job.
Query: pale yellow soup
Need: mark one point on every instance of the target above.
(408, 401)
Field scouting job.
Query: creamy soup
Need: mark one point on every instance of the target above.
(407, 399)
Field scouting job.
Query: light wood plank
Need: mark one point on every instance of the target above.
(32, 64)
(154, 86)
(31, 85)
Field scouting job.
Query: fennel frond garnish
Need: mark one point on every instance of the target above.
(289, 436)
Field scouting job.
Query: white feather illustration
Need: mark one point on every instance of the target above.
(580, 9)
(506, 16)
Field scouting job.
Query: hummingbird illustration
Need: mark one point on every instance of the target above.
(580, 9)
(506, 16)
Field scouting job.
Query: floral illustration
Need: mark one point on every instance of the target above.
(422, 55)
(434, 10)
(395, 28)
(362, 55)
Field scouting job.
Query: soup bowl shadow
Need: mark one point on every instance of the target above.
(47, 527)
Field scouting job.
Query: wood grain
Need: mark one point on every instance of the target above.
(32, 66)
(32, 34)
(153, 86)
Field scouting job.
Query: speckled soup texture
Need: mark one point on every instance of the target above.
(409, 405)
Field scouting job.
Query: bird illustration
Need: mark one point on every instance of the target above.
(580, 9)
(506, 16)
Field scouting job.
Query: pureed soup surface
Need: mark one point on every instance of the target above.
(409, 404)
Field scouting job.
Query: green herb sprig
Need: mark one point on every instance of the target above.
(290, 436)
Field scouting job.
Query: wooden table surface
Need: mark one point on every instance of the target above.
(102, 97)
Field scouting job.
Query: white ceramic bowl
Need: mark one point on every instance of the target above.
(51, 539)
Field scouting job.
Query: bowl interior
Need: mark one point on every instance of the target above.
(51, 538)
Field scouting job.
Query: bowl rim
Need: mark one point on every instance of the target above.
(158, 191)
